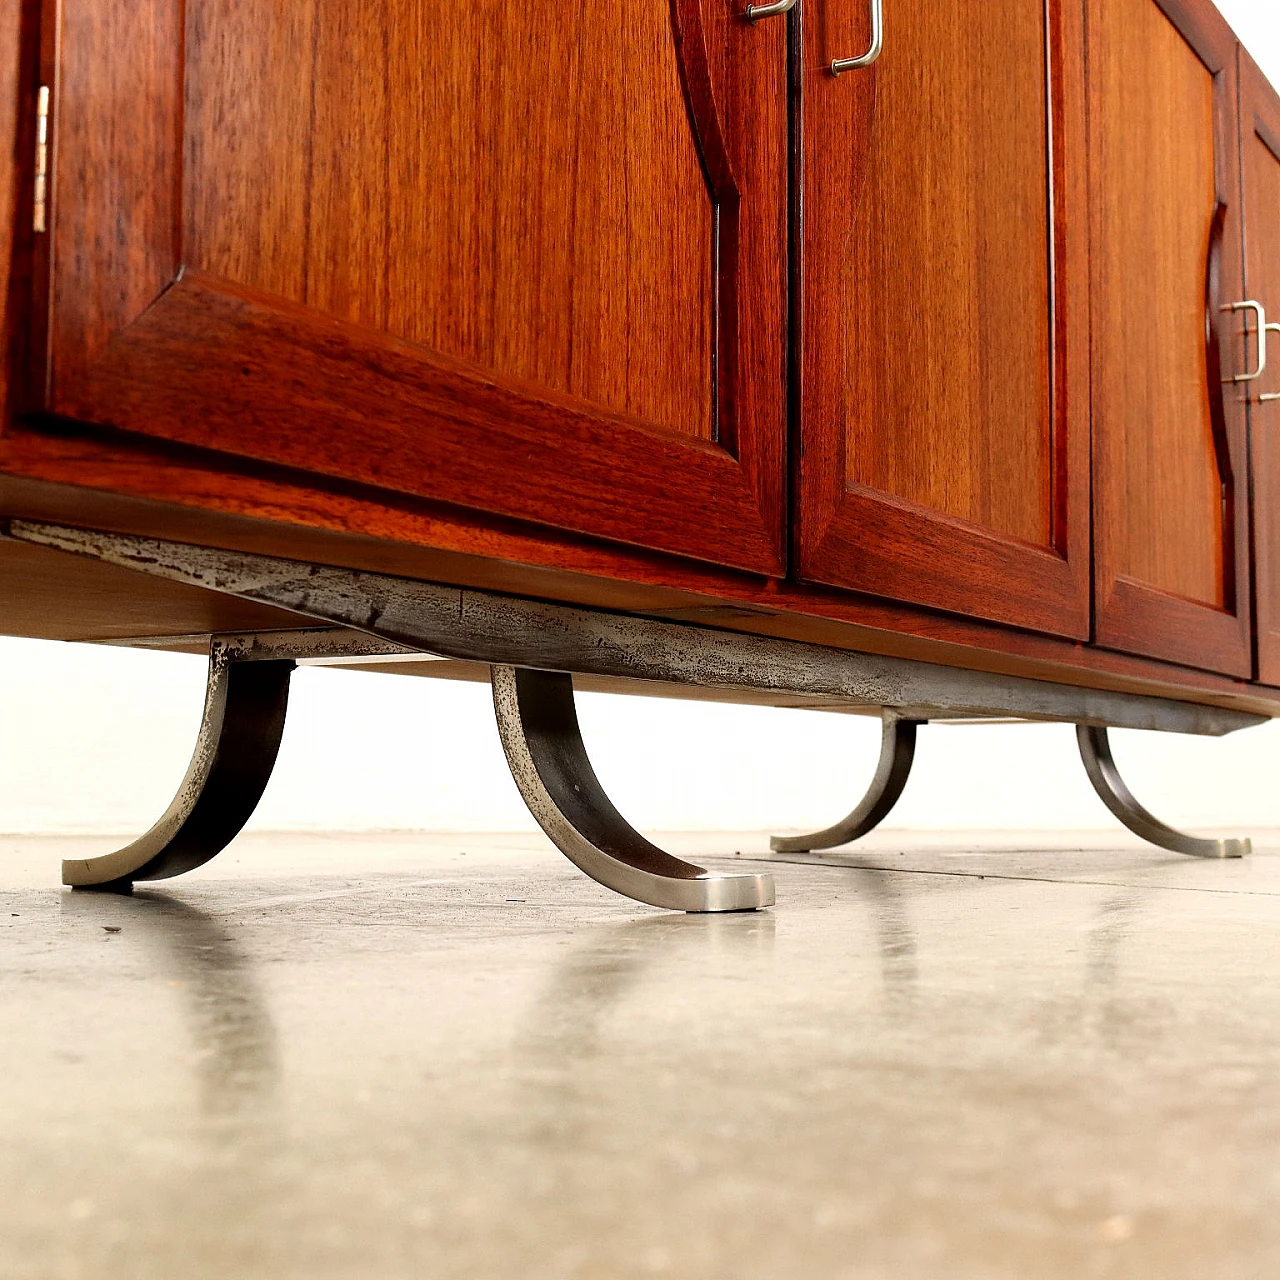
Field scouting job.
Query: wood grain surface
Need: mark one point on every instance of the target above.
(943, 367)
(517, 186)
(947, 339)
(218, 366)
(1156, 193)
(102, 603)
(1260, 154)
(133, 486)
(114, 197)
(286, 336)
(1170, 519)
(16, 122)
(566, 206)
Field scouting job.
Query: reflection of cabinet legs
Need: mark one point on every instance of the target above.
(244, 712)
(1095, 751)
(543, 744)
(897, 751)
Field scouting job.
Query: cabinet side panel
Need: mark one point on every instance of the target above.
(518, 187)
(1154, 199)
(947, 339)
(1262, 179)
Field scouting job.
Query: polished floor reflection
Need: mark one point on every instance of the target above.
(450, 1056)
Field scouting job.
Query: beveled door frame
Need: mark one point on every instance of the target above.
(872, 541)
(1131, 615)
(137, 343)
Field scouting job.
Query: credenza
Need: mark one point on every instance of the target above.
(894, 356)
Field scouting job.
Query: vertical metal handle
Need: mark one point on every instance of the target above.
(1266, 329)
(1260, 312)
(754, 12)
(877, 43)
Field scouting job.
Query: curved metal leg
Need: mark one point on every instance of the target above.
(1095, 751)
(543, 744)
(244, 712)
(897, 751)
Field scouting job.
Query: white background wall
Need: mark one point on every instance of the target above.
(95, 740)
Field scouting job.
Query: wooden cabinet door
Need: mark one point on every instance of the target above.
(1170, 485)
(527, 258)
(1260, 160)
(944, 341)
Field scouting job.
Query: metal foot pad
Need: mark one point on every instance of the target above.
(1100, 765)
(239, 738)
(538, 724)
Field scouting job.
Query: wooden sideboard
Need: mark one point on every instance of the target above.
(642, 308)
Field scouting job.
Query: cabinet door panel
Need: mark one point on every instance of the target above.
(1260, 143)
(506, 244)
(1172, 580)
(579, 259)
(943, 347)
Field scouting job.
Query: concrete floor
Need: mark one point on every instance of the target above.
(432, 1057)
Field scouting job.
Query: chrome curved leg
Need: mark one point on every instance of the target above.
(543, 744)
(244, 712)
(897, 751)
(1095, 751)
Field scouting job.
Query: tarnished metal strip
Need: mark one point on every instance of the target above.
(315, 645)
(508, 630)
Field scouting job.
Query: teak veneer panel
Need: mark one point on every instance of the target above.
(1155, 166)
(114, 70)
(492, 255)
(102, 603)
(1170, 488)
(484, 180)
(944, 346)
(15, 230)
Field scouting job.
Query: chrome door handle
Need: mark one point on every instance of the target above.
(755, 12)
(1275, 395)
(1260, 311)
(839, 65)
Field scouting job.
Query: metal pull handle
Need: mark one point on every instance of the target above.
(1266, 329)
(1260, 312)
(755, 12)
(877, 43)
